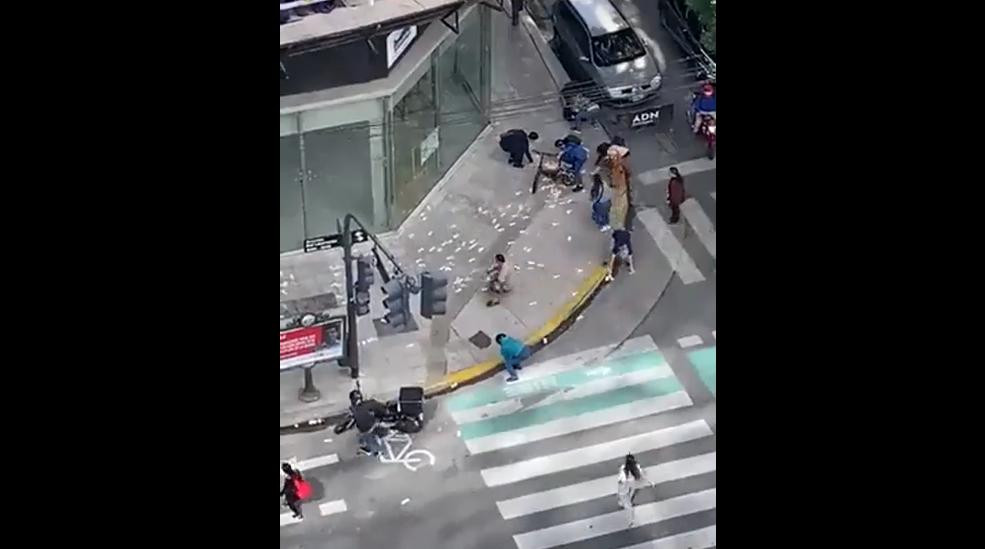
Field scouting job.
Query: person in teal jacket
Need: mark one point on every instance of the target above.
(514, 352)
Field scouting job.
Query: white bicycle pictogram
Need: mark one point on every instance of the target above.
(411, 459)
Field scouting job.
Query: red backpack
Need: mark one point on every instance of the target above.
(302, 487)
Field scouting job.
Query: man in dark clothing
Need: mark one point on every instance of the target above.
(622, 250)
(675, 194)
(517, 143)
(366, 413)
(290, 490)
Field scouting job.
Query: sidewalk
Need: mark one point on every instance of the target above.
(481, 207)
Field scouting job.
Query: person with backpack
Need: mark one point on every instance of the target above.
(631, 476)
(295, 489)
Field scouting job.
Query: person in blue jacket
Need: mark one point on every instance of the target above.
(575, 156)
(704, 104)
(514, 352)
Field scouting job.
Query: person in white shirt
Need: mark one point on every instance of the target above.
(631, 478)
(499, 279)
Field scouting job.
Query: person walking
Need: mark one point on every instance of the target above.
(601, 193)
(293, 485)
(630, 202)
(622, 251)
(517, 143)
(675, 194)
(620, 186)
(513, 352)
(499, 279)
(630, 479)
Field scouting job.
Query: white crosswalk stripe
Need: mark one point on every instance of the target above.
(568, 425)
(602, 487)
(659, 175)
(608, 523)
(702, 538)
(702, 225)
(326, 508)
(672, 249)
(509, 424)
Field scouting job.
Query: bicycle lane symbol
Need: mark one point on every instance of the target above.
(411, 459)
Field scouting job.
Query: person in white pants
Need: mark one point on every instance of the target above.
(631, 478)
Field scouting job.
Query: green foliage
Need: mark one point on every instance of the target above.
(706, 13)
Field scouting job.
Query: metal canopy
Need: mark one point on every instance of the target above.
(317, 32)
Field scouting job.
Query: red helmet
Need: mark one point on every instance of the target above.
(708, 90)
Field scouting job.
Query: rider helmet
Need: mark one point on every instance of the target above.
(708, 90)
(355, 397)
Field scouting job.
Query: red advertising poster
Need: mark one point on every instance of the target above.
(300, 341)
(305, 346)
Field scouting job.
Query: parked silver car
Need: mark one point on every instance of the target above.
(595, 43)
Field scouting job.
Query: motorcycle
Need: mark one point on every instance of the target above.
(404, 414)
(708, 130)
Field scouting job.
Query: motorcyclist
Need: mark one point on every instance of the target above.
(704, 105)
(367, 414)
(574, 155)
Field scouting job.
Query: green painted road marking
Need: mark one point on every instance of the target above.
(574, 407)
(571, 378)
(704, 363)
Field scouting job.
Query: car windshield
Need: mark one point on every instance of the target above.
(617, 47)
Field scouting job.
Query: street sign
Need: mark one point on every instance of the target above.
(328, 242)
(321, 341)
(645, 118)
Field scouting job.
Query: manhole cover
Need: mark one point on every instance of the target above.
(480, 340)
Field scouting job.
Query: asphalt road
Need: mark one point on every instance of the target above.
(533, 464)
(674, 143)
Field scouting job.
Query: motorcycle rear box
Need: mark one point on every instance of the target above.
(411, 400)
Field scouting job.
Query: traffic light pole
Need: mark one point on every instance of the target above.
(351, 337)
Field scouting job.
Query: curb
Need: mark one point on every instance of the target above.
(555, 326)
(551, 329)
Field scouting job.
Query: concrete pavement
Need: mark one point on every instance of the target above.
(481, 207)
(635, 373)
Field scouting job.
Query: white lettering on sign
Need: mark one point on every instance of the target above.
(645, 118)
(397, 42)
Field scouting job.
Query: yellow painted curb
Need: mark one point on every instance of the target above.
(466, 375)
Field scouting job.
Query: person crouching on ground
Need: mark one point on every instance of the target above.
(513, 352)
(622, 250)
(499, 279)
(517, 143)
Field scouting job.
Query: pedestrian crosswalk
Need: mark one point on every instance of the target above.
(689, 246)
(325, 508)
(551, 445)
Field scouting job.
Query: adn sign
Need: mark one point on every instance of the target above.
(645, 118)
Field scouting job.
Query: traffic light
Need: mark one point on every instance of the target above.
(397, 304)
(434, 294)
(364, 279)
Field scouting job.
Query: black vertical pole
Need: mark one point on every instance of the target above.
(352, 348)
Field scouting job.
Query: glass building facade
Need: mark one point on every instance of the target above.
(377, 154)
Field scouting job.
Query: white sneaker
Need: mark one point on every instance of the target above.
(605, 228)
